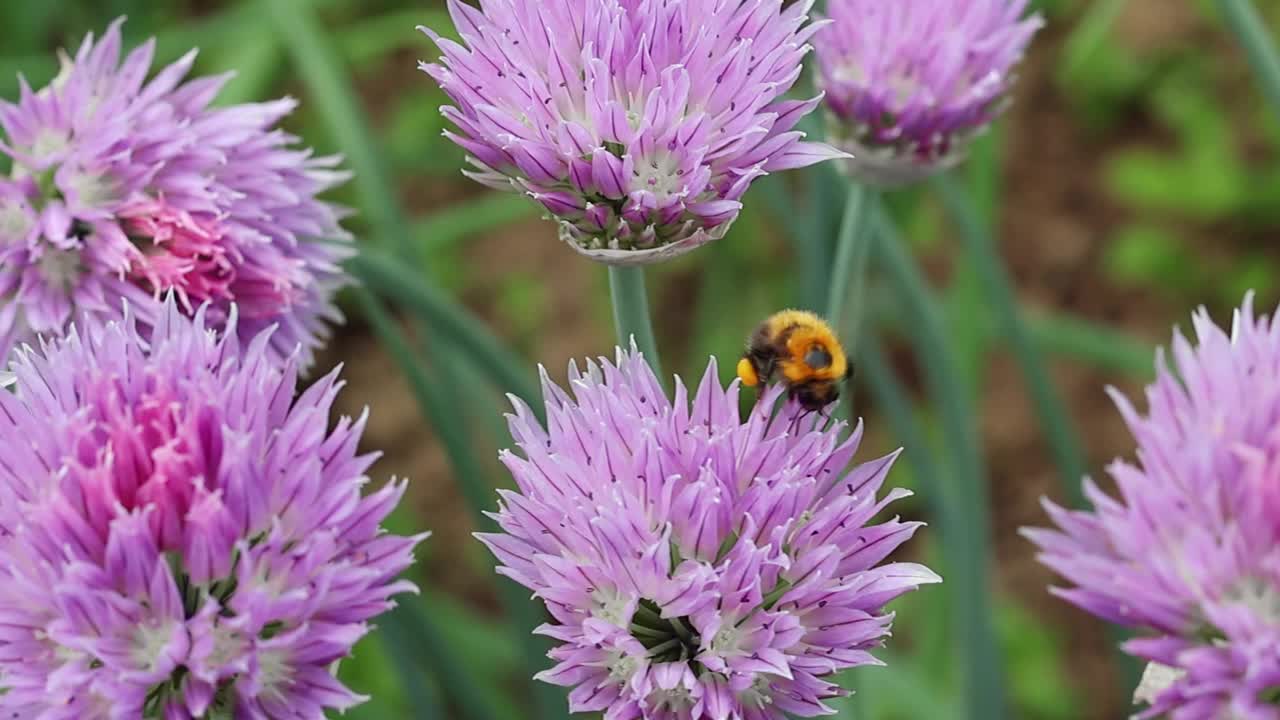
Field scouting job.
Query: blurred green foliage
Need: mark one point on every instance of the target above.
(1206, 161)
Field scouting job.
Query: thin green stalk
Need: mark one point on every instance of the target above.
(849, 271)
(438, 403)
(892, 400)
(848, 277)
(804, 231)
(968, 574)
(823, 196)
(932, 487)
(405, 656)
(453, 437)
(1243, 20)
(451, 322)
(1058, 334)
(453, 376)
(1003, 303)
(435, 408)
(315, 58)
(471, 700)
(1107, 348)
(447, 227)
(631, 318)
(1055, 420)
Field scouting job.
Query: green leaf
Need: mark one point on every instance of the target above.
(451, 323)
(903, 692)
(316, 61)
(1102, 346)
(462, 220)
(1088, 37)
(1039, 679)
(966, 525)
(368, 40)
(1259, 44)
(1148, 255)
(1001, 298)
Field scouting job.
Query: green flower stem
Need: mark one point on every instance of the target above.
(1003, 302)
(805, 235)
(849, 271)
(1247, 25)
(631, 317)
(848, 277)
(1026, 344)
(968, 572)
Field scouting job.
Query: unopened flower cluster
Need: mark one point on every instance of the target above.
(697, 564)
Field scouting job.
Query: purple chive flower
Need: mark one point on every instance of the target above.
(1189, 551)
(637, 124)
(179, 536)
(909, 82)
(697, 565)
(128, 189)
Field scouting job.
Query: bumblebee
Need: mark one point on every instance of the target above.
(802, 349)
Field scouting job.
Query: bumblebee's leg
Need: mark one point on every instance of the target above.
(799, 419)
(794, 426)
(765, 364)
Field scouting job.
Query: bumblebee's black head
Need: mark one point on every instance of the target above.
(814, 396)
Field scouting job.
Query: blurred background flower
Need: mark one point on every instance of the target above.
(1189, 551)
(179, 537)
(908, 84)
(124, 188)
(1132, 178)
(639, 126)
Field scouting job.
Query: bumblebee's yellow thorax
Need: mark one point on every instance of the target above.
(808, 331)
(788, 343)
